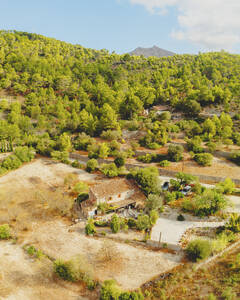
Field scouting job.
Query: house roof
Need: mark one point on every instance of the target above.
(111, 187)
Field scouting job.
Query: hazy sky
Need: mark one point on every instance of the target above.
(182, 26)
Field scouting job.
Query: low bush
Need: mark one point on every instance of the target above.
(132, 223)
(180, 217)
(12, 162)
(25, 154)
(203, 159)
(111, 291)
(198, 250)
(90, 228)
(175, 153)
(115, 223)
(61, 156)
(226, 187)
(92, 165)
(119, 161)
(5, 232)
(229, 294)
(236, 158)
(74, 270)
(208, 203)
(164, 163)
(83, 141)
(80, 187)
(101, 223)
(143, 222)
(169, 197)
(233, 223)
(111, 135)
(77, 164)
(109, 170)
(64, 270)
(194, 144)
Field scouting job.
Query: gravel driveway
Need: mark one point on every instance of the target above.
(172, 231)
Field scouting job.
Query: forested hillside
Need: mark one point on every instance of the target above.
(68, 89)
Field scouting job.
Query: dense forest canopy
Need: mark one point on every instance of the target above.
(69, 89)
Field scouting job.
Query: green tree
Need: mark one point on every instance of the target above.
(115, 223)
(64, 142)
(92, 165)
(175, 153)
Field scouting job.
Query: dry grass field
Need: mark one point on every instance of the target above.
(36, 201)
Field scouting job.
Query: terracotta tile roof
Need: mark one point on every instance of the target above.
(111, 187)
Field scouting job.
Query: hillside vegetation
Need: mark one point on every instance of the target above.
(70, 89)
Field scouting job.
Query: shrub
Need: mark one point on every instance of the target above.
(169, 197)
(63, 270)
(164, 163)
(132, 223)
(90, 228)
(76, 269)
(92, 165)
(32, 251)
(184, 178)
(119, 161)
(131, 296)
(109, 170)
(208, 203)
(194, 144)
(80, 187)
(5, 232)
(83, 141)
(143, 222)
(198, 250)
(180, 217)
(175, 153)
(93, 151)
(233, 223)
(211, 147)
(203, 159)
(76, 164)
(153, 217)
(220, 243)
(229, 294)
(103, 150)
(11, 162)
(145, 158)
(109, 290)
(60, 156)
(211, 297)
(25, 154)
(154, 202)
(111, 135)
(197, 188)
(115, 223)
(227, 186)
(236, 158)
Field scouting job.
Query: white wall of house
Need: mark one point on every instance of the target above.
(116, 197)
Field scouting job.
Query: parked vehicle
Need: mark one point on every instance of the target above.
(165, 186)
(186, 190)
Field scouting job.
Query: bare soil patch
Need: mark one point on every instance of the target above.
(130, 267)
(24, 278)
